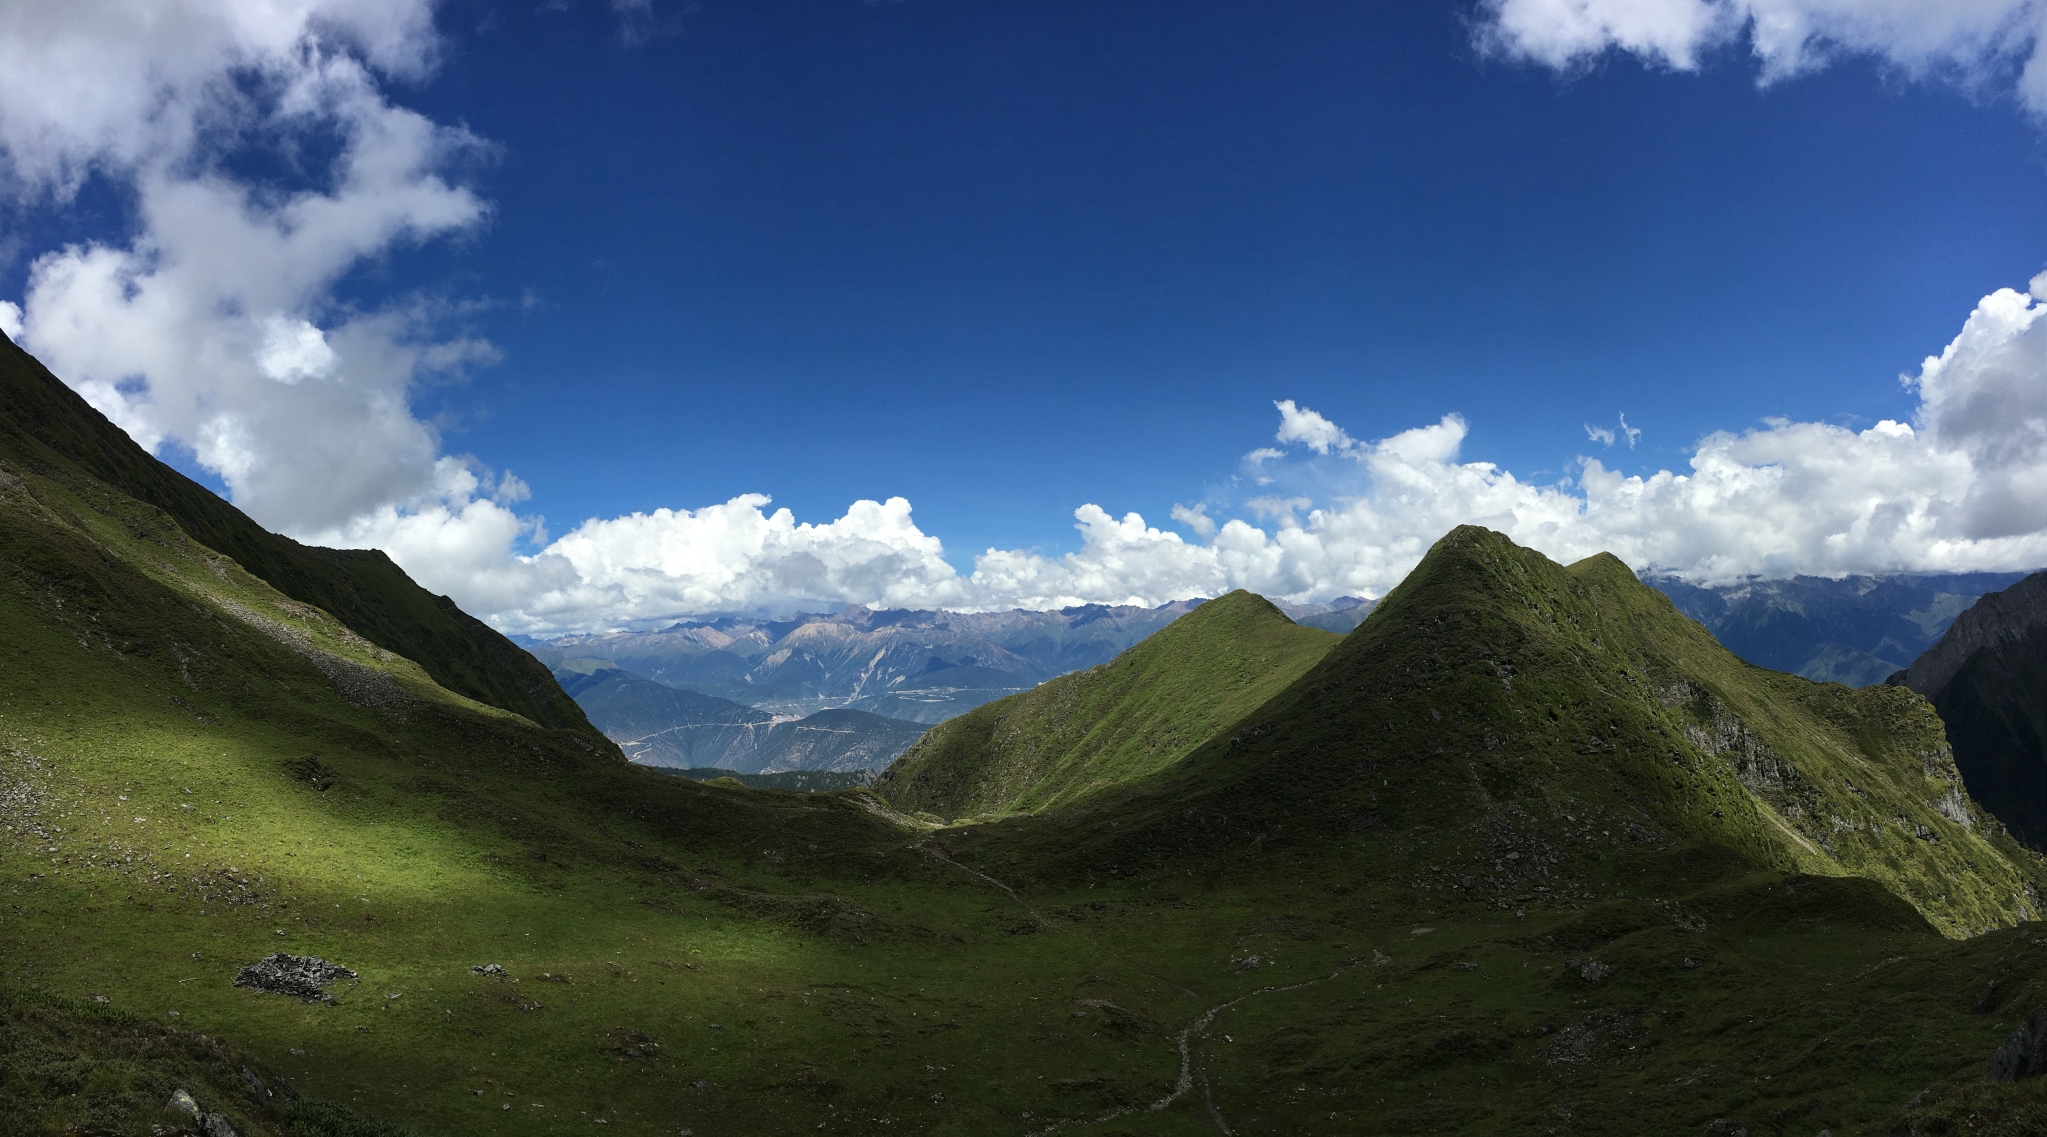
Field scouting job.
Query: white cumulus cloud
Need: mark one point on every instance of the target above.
(1974, 42)
(1297, 424)
(213, 324)
(1963, 486)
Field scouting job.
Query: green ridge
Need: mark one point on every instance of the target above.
(1124, 720)
(1497, 700)
(47, 428)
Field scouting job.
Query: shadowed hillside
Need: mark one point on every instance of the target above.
(1988, 679)
(46, 428)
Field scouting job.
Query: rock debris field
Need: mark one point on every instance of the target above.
(298, 976)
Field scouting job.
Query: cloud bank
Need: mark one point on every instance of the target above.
(215, 326)
(1963, 486)
(1978, 43)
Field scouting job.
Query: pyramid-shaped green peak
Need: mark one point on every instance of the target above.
(1109, 725)
(1499, 702)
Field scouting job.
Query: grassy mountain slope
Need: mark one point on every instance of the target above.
(1496, 703)
(1131, 717)
(196, 770)
(45, 427)
(805, 781)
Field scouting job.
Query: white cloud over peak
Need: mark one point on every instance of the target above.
(1961, 487)
(1975, 42)
(213, 325)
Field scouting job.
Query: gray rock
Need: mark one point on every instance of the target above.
(2024, 1053)
(183, 1103)
(1995, 618)
(299, 976)
(490, 969)
(1595, 972)
(216, 1126)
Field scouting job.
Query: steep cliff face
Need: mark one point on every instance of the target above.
(1988, 679)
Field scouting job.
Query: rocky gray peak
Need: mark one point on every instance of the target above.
(1995, 618)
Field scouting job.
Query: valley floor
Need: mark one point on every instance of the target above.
(903, 986)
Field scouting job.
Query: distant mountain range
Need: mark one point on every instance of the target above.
(745, 694)
(915, 666)
(659, 725)
(1857, 630)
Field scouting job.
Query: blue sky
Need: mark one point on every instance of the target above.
(1008, 260)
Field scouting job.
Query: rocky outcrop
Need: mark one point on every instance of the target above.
(2024, 1053)
(1996, 619)
(1988, 679)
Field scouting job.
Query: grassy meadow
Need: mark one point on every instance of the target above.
(1338, 913)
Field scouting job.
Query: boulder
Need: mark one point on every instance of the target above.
(2024, 1053)
(182, 1102)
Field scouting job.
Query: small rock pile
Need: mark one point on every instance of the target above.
(298, 976)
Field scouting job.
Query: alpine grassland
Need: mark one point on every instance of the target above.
(1526, 853)
(1122, 721)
